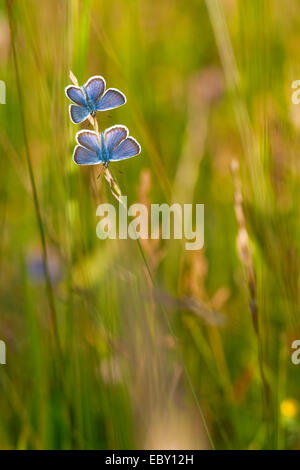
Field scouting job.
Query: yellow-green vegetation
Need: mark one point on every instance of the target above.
(117, 344)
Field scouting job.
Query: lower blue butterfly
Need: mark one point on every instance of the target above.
(111, 146)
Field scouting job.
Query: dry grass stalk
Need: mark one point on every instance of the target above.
(243, 244)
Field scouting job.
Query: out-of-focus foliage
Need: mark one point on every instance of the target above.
(117, 361)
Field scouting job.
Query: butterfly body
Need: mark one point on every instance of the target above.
(102, 151)
(90, 104)
(113, 145)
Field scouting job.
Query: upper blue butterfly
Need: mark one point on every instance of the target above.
(92, 97)
(113, 145)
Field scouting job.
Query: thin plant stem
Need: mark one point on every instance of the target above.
(186, 372)
(117, 194)
(49, 288)
(243, 245)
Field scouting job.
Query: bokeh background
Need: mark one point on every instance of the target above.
(99, 355)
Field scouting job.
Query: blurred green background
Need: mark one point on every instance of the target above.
(98, 355)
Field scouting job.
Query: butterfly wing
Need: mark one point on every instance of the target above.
(88, 139)
(78, 113)
(127, 148)
(74, 93)
(95, 87)
(111, 99)
(114, 136)
(83, 156)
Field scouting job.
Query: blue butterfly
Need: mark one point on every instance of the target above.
(92, 97)
(111, 146)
